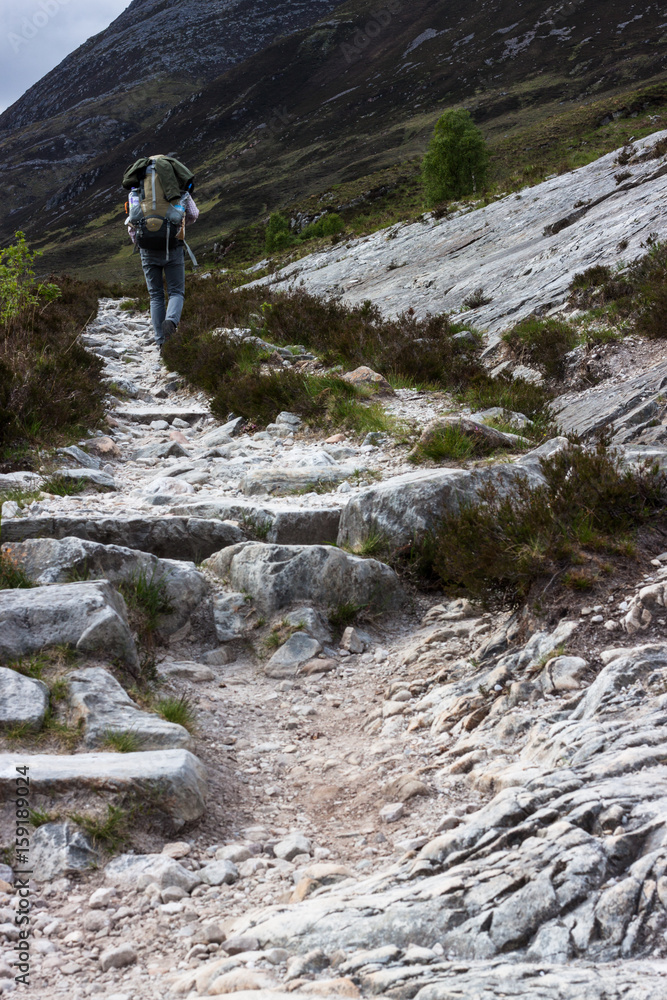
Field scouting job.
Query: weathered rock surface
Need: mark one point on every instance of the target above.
(60, 849)
(149, 869)
(98, 700)
(50, 560)
(187, 538)
(90, 616)
(279, 575)
(523, 250)
(175, 780)
(562, 862)
(23, 700)
(91, 477)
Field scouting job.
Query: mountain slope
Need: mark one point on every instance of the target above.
(332, 101)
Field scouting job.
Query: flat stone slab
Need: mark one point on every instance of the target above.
(96, 698)
(188, 538)
(146, 414)
(185, 670)
(91, 616)
(23, 700)
(176, 776)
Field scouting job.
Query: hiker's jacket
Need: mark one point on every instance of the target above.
(191, 215)
(174, 175)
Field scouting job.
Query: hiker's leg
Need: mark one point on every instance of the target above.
(153, 271)
(174, 271)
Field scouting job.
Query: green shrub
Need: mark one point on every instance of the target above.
(450, 444)
(502, 543)
(542, 343)
(147, 597)
(278, 234)
(20, 292)
(329, 225)
(457, 160)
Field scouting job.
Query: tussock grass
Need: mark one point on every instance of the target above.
(180, 710)
(451, 444)
(501, 544)
(110, 832)
(122, 742)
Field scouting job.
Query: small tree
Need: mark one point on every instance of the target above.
(19, 290)
(278, 235)
(457, 160)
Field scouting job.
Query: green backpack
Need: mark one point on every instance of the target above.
(159, 221)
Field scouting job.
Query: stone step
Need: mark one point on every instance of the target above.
(174, 779)
(188, 538)
(146, 414)
(283, 525)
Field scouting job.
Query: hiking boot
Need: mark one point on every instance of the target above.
(168, 329)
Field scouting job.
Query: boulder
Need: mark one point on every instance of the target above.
(91, 477)
(60, 849)
(23, 700)
(291, 846)
(283, 482)
(562, 673)
(90, 616)
(280, 575)
(367, 377)
(103, 447)
(405, 508)
(130, 871)
(174, 779)
(51, 560)
(186, 670)
(286, 661)
(219, 872)
(98, 700)
(187, 538)
(79, 456)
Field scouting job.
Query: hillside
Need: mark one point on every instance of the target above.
(323, 104)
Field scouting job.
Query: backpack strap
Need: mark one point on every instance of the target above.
(192, 256)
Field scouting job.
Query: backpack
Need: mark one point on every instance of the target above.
(158, 221)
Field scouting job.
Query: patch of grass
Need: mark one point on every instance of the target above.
(146, 595)
(19, 731)
(122, 742)
(542, 343)
(450, 443)
(110, 832)
(38, 817)
(31, 666)
(179, 710)
(63, 486)
(502, 543)
(516, 395)
(20, 496)
(275, 639)
(374, 544)
(344, 614)
(12, 577)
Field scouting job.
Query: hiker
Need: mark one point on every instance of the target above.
(159, 207)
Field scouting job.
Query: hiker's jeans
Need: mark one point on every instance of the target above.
(156, 265)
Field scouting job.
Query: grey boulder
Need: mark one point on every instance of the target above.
(405, 508)
(286, 661)
(283, 482)
(59, 849)
(23, 700)
(277, 576)
(98, 700)
(90, 616)
(140, 870)
(51, 560)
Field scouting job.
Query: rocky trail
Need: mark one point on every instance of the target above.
(430, 800)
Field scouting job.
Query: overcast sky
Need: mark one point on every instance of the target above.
(35, 35)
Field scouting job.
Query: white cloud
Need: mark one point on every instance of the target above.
(36, 35)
